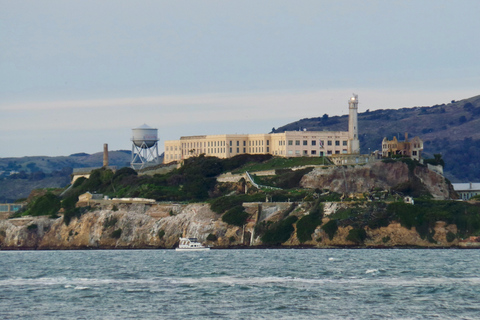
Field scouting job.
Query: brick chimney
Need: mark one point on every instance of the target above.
(105, 155)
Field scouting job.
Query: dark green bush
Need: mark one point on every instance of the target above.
(211, 237)
(357, 235)
(222, 204)
(450, 236)
(161, 234)
(116, 234)
(110, 222)
(280, 231)
(49, 204)
(330, 228)
(307, 224)
(235, 216)
(32, 227)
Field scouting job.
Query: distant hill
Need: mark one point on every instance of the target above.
(452, 130)
(19, 176)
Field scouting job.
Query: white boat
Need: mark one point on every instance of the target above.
(190, 244)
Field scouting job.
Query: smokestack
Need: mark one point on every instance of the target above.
(406, 136)
(105, 155)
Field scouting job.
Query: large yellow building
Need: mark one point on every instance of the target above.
(285, 144)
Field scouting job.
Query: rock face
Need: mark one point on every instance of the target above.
(160, 226)
(360, 179)
(140, 226)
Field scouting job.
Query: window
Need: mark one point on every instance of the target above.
(329, 142)
(238, 150)
(244, 149)
(297, 152)
(290, 142)
(314, 142)
(414, 153)
(297, 142)
(329, 152)
(337, 152)
(305, 142)
(230, 149)
(238, 143)
(314, 152)
(345, 142)
(230, 143)
(305, 152)
(244, 143)
(337, 143)
(268, 149)
(290, 152)
(268, 142)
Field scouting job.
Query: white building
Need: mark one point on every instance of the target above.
(467, 190)
(285, 144)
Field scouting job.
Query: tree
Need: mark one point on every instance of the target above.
(325, 117)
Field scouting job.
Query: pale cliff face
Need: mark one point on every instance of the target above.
(141, 228)
(360, 179)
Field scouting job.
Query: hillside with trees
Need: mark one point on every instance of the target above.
(451, 130)
(19, 176)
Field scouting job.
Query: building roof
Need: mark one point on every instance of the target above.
(468, 186)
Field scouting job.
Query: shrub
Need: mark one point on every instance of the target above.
(116, 234)
(386, 239)
(307, 224)
(32, 227)
(450, 236)
(330, 228)
(357, 235)
(110, 222)
(231, 239)
(161, 234)
(235, 216)
(211, 237)
(280, 231)
(49, 204)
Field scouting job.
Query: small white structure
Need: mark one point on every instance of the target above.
(467, 190)
(144, 147)
(190, 244)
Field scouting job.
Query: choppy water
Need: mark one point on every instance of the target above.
(240, 284)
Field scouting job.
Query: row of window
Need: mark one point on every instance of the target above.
(321, 143)
(314, 152)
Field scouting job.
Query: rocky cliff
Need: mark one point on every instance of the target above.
(160, 226)
(383, 175)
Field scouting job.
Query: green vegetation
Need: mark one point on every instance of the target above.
(281, 163)
(235, 216)
(307, 224)
(116, 234)
(110, 222)
(32, 226)
(46, 205)
(211, 237)
(279, 232)
(161, 234)
(425, 213)
(357, 235)
(330, 228)
(450, 236)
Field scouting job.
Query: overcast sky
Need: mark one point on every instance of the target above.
(77, 74)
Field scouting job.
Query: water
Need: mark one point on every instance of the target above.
(240, 284)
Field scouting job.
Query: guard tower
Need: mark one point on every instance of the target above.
(354, 143)
(144, 147)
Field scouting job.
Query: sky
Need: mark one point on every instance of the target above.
(77, 74)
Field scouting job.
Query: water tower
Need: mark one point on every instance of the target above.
(144, 147)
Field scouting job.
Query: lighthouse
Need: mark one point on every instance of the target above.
(354, 144)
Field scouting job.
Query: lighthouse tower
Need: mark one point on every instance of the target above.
(354, 144)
